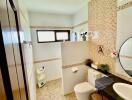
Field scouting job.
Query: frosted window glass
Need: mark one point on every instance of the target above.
(46, 36)
(62, 35)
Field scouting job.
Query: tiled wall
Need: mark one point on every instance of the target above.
(103, 19)
(74, 55)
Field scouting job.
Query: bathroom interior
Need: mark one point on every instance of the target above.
(66, 49)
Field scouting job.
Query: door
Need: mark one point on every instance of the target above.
(13, 53)
(2, 89)
(18, 86)
(4, 31)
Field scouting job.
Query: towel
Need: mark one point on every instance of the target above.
(103, 82)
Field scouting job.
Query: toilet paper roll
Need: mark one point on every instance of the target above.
(74, 69)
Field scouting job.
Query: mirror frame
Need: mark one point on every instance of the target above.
(119, 56)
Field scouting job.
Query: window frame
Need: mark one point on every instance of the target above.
(55, 31)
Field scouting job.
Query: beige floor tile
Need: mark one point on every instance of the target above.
(52, 91)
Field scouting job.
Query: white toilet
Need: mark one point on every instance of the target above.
(83, 90)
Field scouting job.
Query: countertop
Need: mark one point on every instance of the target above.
(108, 91)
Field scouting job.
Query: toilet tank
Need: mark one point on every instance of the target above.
(92, 76)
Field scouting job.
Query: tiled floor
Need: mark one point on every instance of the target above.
(52, 91)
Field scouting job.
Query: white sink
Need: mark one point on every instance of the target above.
(123, 90)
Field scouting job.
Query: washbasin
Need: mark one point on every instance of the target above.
(123, 90)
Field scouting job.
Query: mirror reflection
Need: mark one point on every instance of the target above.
(125, 56)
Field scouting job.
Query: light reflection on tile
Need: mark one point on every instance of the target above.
(52, 91)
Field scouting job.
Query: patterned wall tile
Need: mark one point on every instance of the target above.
(103, 19)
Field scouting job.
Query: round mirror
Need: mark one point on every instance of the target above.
(125, 56)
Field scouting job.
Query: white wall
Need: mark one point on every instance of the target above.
(73, 53)
(124, 31)
(68, 52)
(70, 79)
(44, 51)
(43, 19)
(80, 17)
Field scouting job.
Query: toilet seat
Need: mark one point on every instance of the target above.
(84, 87)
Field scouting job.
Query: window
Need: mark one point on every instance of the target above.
(53, 35)
(46, 36)
(62, 35)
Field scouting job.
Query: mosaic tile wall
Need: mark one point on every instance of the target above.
(103, 19)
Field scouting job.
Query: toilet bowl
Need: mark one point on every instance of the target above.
(83, 90)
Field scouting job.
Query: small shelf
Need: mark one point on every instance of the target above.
(41, 76)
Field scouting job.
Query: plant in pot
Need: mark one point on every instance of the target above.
(88, 62)
(104, 68)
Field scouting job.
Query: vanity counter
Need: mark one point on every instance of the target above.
(108, 91)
